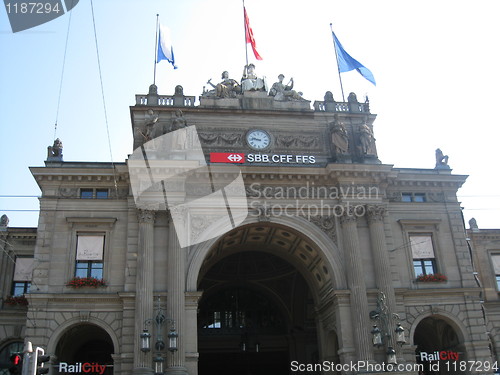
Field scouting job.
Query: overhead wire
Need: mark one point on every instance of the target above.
(62, 75)
(103, 98)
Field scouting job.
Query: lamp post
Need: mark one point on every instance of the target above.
(382, 335)
(145, 338)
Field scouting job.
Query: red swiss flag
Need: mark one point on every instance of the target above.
(227, 157)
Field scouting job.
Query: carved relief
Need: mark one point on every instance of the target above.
(297, 141)
(327, 224)
(221, 139)
(146, 216)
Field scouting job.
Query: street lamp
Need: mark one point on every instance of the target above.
(382, 335)
(145, 338)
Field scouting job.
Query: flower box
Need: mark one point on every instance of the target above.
(16, 301)
(81, 282)
(432, 278)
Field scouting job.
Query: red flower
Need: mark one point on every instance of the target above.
(433, 277)
(80, 282)
(16, 300)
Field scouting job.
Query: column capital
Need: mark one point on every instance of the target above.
(349, 213)
(146, 216)
(375, 212)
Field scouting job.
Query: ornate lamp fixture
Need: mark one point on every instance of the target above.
(145, 338)
(382, 335)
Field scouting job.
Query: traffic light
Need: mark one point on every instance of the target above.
(16, 366)
(39, 358)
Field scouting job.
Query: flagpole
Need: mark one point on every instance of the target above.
(156, 49)
(245, 36)
(338, 67)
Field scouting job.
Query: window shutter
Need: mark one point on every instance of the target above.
(24, 269)
(495, 259)
(90, 247)
(421, 247)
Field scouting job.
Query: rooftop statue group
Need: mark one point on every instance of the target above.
(230, 88)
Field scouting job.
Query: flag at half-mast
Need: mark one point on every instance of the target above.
(249, 36)
(165, 50)
(346, 63)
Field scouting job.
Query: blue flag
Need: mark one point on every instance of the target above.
(347, 63)
(165, 50)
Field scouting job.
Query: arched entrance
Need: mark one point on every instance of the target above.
(85, 344)
(261, 284)
(439, 347)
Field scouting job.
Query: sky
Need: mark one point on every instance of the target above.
(435, 63)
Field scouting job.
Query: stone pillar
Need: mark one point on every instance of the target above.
(356, 283)
(375, 216)
(176, 286)
(144, 288)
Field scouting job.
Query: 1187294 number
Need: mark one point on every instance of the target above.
(32, 8)
(471, 366)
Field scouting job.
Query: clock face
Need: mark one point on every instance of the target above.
(258, 139)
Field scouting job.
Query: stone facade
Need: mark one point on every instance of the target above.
(332, 243)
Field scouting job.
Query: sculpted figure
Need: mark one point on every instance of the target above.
(55, 150)
(149, 124)
(249, 80)
(280, 91)
(366, 140)
(441, 159)
(228, 88)
(179, 122)
(4, 221)
(328, 97)
(340, 138)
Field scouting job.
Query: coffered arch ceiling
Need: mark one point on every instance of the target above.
(283, 242)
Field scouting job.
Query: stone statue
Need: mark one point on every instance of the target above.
(249, 80)
(284, 92)
(228, 88)
(352, 98)
(149, 125)
(178, 122)
(366, 140)
(473, 224)
(328, 97)
(441, 159)
(55, 151)
(4, 221)
(340, 138)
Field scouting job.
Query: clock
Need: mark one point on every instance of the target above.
(258, 139)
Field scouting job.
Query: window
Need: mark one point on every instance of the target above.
(424, 262)
(86, 193)
(101, 193)
(21, 282)
(89, 255)
(495, 259)
(413, 197)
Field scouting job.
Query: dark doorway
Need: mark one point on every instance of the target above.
(86, 343)
(436, 337)
(255, 316)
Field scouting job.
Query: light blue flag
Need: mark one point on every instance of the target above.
(347, 63)
(165, 50)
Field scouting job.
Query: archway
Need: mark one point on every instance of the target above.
(439, 346)
(85, 344)
(261, 284)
